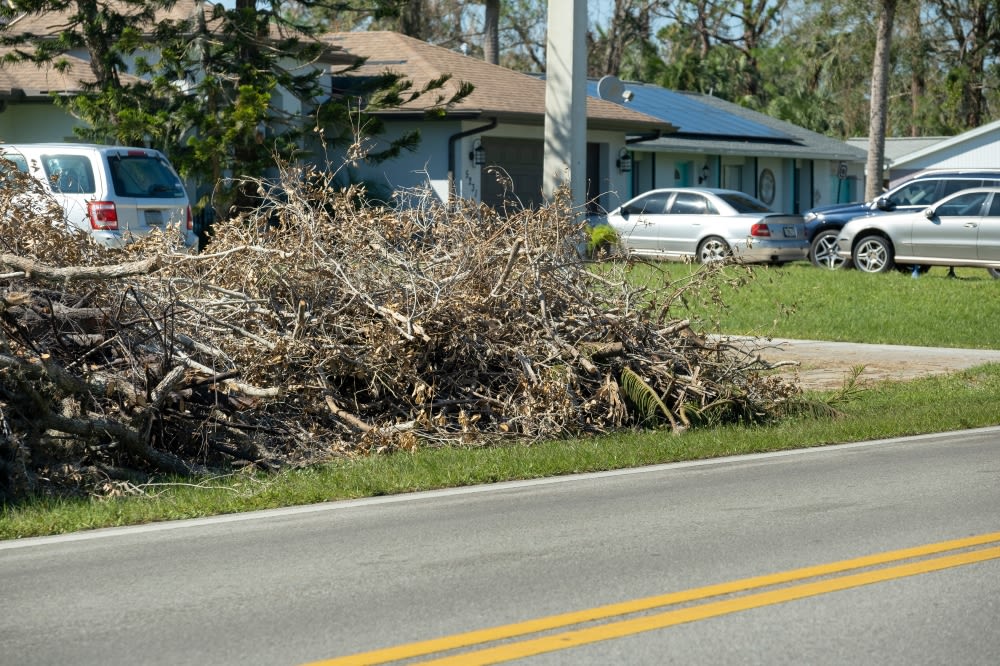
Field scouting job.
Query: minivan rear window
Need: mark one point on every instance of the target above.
(144, 176)
(16, 158)
(70, 174)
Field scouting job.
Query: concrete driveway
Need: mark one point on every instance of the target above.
(825, 365)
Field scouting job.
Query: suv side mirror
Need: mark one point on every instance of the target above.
(882, 203)
(929, 213)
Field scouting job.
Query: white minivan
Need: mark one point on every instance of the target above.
(113, 193)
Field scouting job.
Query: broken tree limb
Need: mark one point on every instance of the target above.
(97, 428)
(346, 416)
(36, 270)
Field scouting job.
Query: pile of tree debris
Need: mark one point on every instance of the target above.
(322, 325)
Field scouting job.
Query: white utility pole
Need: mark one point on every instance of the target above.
(566, 100)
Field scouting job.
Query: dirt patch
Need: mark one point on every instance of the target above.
(826, 365)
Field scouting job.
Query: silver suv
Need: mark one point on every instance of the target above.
(113, 193)
(823, 223)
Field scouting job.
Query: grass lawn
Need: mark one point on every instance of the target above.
(796, 301)
(803, 302)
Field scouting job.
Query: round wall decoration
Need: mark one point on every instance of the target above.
(765, 186)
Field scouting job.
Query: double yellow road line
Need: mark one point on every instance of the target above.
(870, 569)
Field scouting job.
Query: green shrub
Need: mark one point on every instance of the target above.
(603, 240)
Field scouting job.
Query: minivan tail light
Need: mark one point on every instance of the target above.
(190, 220)
(103, 215)
(759, 229)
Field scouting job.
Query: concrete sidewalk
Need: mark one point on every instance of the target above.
(825, 365)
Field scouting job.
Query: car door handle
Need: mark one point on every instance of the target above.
(971, 225)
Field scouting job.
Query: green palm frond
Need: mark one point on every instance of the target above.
(644, 397)
(826, 407)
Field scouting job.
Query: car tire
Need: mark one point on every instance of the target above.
(712, 249)
(823, 251)
(873, 254)
(994, 273)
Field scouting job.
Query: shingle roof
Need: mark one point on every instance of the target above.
(51, 23)
(499, 92)
(765, 137)
(26, 81)
(32, 79)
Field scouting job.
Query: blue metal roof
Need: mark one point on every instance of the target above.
(691, 116)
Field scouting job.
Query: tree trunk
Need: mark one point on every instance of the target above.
(412, 19)
(618, 34)
(491, 32)
(879, 100)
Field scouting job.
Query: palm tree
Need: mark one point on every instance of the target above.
(879, 99)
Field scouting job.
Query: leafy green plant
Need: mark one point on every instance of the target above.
(602, 240)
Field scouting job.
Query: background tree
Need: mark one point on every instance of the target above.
(818, 71)
(811, 67)
(491, 31)
(915, 54)
(974, 27)
(522, 35)
(879, 98)
(631, 25)
(714, 46)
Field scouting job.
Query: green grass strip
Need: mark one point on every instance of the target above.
(962, 400)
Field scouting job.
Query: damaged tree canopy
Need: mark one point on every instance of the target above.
(323, 326)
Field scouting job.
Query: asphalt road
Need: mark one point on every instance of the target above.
(315, 583)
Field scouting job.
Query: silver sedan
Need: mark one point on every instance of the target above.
(708, 224)
(960, 230)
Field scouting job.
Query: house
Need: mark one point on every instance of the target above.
(721, 144)
(489, 146)
(906, 157)
(699, 140)
(27, 112)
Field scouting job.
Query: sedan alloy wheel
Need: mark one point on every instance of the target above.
(711, 249)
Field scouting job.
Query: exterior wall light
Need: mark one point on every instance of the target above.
(478, 154)
(624, 161)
